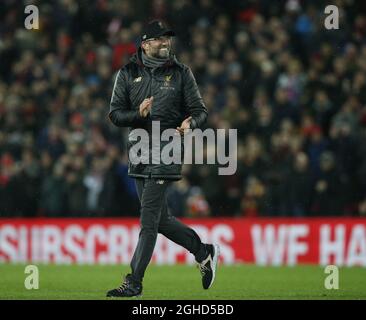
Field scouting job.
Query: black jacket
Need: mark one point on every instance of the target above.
(176, 96)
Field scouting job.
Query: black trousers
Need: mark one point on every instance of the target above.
(155, 218)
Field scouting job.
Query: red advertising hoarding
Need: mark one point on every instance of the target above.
(280, 241)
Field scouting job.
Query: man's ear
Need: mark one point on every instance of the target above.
(143, 46)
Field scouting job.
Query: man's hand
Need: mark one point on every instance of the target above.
(186, 124)
(145, 107)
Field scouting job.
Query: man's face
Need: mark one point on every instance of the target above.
(158, 47)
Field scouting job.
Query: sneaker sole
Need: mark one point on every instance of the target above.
(132, 297)
(214, 266)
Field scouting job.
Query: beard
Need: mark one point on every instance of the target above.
(161, 53)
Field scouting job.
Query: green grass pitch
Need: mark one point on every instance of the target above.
(237, 282)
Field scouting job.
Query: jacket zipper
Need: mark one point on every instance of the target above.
(151, 74)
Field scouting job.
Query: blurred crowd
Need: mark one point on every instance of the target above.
(295, 91)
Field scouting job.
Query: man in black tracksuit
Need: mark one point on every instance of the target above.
(154, 86)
